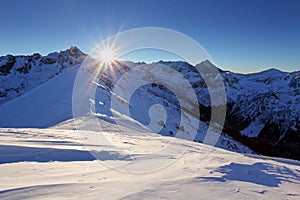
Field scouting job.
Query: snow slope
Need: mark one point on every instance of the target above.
(52, 164)
(46, 105)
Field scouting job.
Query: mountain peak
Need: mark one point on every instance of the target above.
(208, 66)
(206, 62)
(272, 70)
(268, 72)
(74, 51)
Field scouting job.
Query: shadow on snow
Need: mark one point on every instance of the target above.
(258, 173)
(12, 154)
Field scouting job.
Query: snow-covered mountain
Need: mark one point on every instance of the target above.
(262, 108)
(20, 74)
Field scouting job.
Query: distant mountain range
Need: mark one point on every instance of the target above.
(263, 109)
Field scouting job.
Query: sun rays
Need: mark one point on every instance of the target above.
(107, 60)
(103, 63)
(107, 56)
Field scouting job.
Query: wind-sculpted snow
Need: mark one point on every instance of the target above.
(53, 164)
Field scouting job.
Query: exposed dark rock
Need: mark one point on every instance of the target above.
(48, 61)
(8, 65)
(3, 93)
(25, 69)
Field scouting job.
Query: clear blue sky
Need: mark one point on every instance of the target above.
(240, 35)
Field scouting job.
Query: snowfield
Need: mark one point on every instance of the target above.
(53, 164)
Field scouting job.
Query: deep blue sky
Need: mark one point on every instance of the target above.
(239, 35)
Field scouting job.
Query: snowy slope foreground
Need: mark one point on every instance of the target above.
(52, 164)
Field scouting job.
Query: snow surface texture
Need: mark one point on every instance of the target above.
(52, 164)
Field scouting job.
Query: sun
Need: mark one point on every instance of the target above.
(107, 55)
(106, 59)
